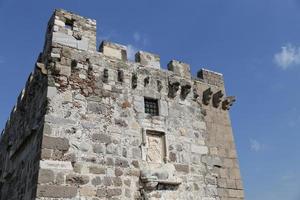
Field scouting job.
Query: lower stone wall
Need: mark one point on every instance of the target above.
(20, 142)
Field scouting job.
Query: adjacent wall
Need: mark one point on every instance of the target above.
(20, 142)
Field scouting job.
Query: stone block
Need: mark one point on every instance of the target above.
(74, 179)
(46, 154)
(121, 162)
(180, 68)
(95, 169)
(113, 50)
(118, 172)
(70, 41)
(236, 193)
(199, 149)
(99, 148)
(46, 176)
(57, 143)
(107, 181)
(117, 181)
(148, 59)
(56, 165)
(114, 192)
(101, 192)
(96, 181)
(56, 191)
(182, 168)
(87, 191)
(101, 137)
(51, 92)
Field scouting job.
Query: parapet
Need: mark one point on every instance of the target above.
(179, 68)
(69, 29)
(148, 59)
(113, 50)
(211, 77)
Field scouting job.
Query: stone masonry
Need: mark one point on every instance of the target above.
(91, 125)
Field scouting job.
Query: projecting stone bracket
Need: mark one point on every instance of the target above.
(207, 95)
(159, 178)
(217, 98)
(105, 75)
(228, 102)
(134, 80)
(173, 87)
(185, 89)
(159, 85)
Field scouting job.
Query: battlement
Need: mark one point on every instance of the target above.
(71, 30)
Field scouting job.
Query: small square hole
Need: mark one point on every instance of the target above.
(69, 24)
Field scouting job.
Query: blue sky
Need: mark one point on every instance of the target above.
(254, 43)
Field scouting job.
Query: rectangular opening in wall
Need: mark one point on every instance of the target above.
(69, 24)
(151, 106)
(156, 147)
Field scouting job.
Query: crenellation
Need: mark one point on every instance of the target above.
(148, 59)
(113, 50)
(94, 125)
(179, 68)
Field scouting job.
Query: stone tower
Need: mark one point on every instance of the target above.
(92, 125)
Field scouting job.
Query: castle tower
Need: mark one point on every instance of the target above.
(92, 125)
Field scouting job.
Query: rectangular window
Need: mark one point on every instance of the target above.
(156, 147)
(151, 106)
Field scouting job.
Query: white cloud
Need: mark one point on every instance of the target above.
(288, 57)
(131, 51)
(255, 145)
(140, 38)
(136, 36)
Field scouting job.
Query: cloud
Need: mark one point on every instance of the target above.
(140, 38)
(139, 42)
(131, 51)
(136, 36)
(255, 145)
(288, 57)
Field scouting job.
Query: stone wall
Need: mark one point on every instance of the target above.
(99, 143)
(20, 142)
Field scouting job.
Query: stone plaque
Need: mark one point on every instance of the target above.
(156, 147)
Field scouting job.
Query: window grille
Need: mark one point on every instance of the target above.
(151, 106)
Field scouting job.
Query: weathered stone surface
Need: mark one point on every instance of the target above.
(94, 169)
(56, 191)
(148, 59)
(103, 138)
(56, 165)
(96, 181)
(114, 192)
(46, 176)
(121, 162)
(77, 179)
(87, 191)
(182, 168)
(56, 143)
(113, 50)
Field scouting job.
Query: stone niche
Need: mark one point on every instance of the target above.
(156, 173)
